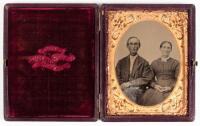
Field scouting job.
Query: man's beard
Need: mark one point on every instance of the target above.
(133, 54)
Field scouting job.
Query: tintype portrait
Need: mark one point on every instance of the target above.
(147, 62)
(148, 73)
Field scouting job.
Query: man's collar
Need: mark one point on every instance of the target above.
(133, 56)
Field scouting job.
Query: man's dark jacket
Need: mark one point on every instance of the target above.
(141, 73)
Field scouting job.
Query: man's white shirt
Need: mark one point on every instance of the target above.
(132, 61)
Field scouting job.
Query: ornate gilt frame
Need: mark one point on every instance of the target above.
(117, 20)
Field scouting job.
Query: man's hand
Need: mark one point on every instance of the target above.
(125, 85)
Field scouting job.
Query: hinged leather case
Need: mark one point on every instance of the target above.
(56, 62)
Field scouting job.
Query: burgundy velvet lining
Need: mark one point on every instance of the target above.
(42, 93)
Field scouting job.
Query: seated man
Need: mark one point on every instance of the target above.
(133, 72)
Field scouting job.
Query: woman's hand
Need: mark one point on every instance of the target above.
(162, 89)
(158, 88)
(166, 89)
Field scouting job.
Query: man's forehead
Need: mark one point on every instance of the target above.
(134, 40)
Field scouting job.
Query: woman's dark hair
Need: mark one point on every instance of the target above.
(163, 42)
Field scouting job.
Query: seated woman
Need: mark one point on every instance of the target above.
(166, 70)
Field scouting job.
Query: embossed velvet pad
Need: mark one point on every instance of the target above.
(41, 93)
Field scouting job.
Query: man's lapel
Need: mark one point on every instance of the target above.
(127, 67)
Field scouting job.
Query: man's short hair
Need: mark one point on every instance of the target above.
(133, 37)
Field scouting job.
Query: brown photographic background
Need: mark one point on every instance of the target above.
(151, 34)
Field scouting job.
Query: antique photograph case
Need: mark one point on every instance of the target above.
(112, 62)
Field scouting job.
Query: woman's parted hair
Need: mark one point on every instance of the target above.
(163, 42)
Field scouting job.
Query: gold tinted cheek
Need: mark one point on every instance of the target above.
(163, 49)
(169, 48)
(137, 45)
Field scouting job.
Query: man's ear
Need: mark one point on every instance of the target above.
(126, 44)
